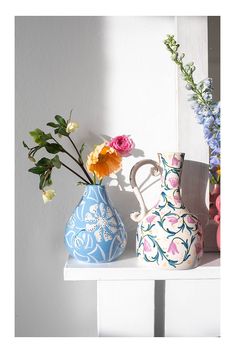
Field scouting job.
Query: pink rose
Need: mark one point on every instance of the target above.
(122, 144)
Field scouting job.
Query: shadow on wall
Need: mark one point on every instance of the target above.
(121, 195)
(60, 64)
(194, 185)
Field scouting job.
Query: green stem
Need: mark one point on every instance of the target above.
(64, 165)
(94, 179)
(80, 162)
(79, 155)
(80, 165)
(46, 176)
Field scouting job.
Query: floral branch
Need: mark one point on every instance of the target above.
(206, 110)
(104, 160)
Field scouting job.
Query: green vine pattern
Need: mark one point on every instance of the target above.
(155, 231)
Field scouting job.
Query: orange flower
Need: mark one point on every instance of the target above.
(103, 161)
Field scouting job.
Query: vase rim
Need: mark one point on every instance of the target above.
(170, 152)
(101, 186)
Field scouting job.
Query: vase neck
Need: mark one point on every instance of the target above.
(171, 164)
(95, 189)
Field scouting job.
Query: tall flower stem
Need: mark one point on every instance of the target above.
(71, 170)
(75, 160)
(80, 162)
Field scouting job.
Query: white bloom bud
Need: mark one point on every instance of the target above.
(71, 127)
(48, 195)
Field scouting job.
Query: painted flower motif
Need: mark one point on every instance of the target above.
(48, 195)
(101, 221)
(122, 144)
(177, 198)
(150, 218)
(147, 247)
(172, 220)
(173, 248)
(103, 161)
(72, 126)
(174, 181)
(191, 220)
(175, 161)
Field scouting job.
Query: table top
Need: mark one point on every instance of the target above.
(129, 267)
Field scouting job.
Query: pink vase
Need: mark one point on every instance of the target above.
(213, 196)
(217, 220)
(218, 237)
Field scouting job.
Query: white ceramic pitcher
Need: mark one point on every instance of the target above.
(168, 235)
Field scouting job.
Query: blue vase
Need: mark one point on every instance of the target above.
(95, 231)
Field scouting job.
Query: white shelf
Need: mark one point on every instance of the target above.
(128, 267)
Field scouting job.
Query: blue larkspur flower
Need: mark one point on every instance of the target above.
(217, 120)
(214, 145)
(216, 108)
(214, 161)
(208, 83)
(200, 119)
(206, 111)
(207, 96)
(209, 121)
(207, 133)
(197, 107)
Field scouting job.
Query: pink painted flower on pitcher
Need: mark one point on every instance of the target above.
(174, 181)
(150, 218)
(172, 220)
(175, 161)
(177, 198)
(147, 247)
(173, 248)
(191, 220)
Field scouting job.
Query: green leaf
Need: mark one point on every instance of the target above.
(40, 137)
(52, 124)
(56, 162)
(42, 177)
(45, 180)
(53, 148)
(82, 148)
(37, 170)
(32, 159)
(61, 121)
(61, 131)
(81, 183)
(44, 162)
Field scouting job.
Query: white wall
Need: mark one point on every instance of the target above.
(117, 76)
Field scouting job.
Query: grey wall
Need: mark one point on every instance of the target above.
(59, 66)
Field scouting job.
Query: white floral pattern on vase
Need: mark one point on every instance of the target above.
(95, 231)
(169, 235)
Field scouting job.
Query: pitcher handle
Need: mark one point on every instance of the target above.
(138, 216)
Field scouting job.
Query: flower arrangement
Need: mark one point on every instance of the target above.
(206, 110)
(104, 160)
